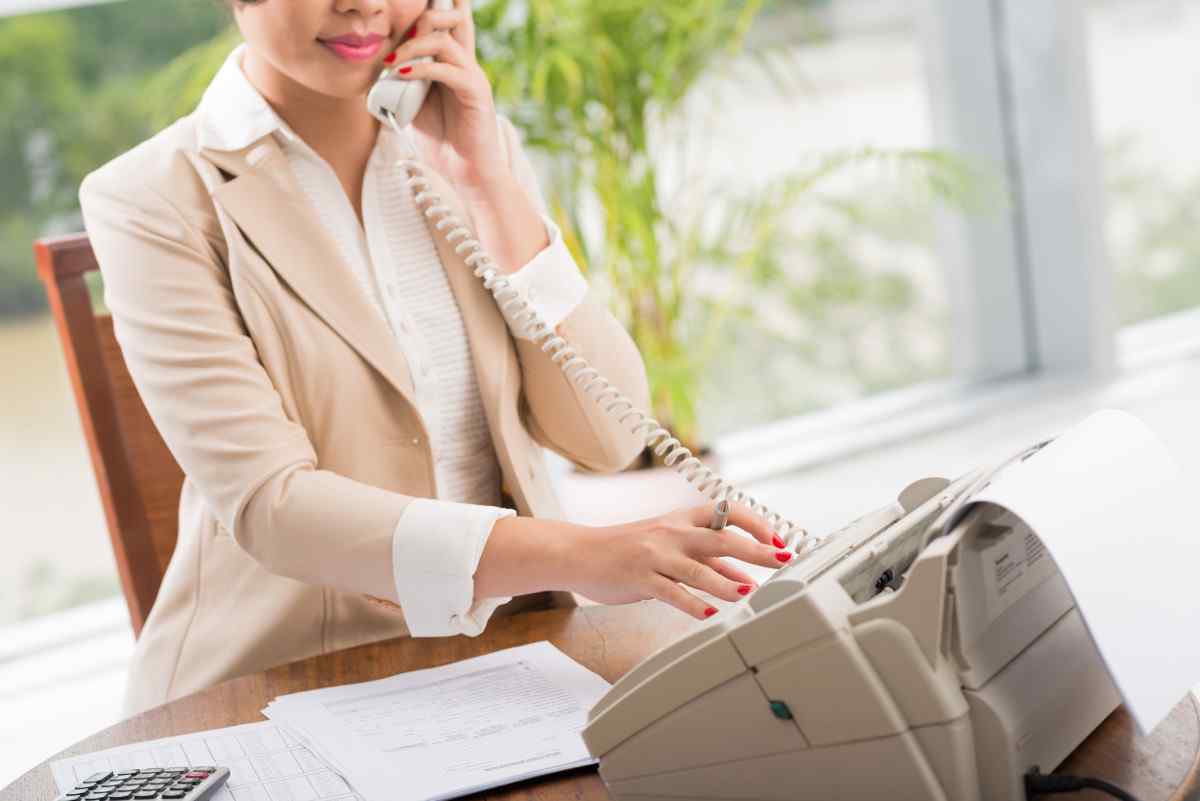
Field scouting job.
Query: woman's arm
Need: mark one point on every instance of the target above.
(198, 373)
(640, 560)
(560, 415)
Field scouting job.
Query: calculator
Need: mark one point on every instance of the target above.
(174, 784)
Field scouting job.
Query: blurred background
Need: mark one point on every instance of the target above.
(854, 240)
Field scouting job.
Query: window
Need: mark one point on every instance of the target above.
(854, 301)
(1146, 88)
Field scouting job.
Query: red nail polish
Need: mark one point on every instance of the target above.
(389, 58)
(411, 33)
(779, 543)
(744, 589)
(404, 70)
(709, 612)
(783, 556)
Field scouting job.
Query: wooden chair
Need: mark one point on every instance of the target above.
(139, 480)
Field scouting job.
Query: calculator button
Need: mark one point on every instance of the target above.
(98, 777)
(123, 795)
(146, 794)
(127, 773)
(174, 794)
(198, 774)
(206, 768)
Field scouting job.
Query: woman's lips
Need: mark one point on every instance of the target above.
(354, 52)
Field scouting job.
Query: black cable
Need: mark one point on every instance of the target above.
(1038, 783)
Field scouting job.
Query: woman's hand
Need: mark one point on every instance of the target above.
(652, 558)
(457, 123)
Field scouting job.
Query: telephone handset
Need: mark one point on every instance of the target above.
(396, 102)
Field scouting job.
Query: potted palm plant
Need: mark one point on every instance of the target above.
(591, 85)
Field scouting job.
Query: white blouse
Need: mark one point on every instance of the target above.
(437, 542)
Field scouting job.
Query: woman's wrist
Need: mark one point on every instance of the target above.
(508, 224)
(525, 555)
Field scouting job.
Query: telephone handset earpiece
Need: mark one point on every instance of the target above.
(396, 101)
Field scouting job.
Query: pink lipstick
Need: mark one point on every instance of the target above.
(353, 47)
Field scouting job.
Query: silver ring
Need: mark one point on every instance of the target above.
(720, 515)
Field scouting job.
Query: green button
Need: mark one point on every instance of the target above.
(780, 710)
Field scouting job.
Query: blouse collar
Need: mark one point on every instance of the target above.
(233, 114)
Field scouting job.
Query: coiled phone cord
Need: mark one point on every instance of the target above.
(576, 368)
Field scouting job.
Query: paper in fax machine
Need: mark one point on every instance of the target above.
(932, 649)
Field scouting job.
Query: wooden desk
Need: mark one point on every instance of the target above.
(609, 641)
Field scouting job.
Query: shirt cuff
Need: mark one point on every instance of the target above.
(436, 547)
(551, 282)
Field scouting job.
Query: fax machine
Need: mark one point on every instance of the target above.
(929, 650)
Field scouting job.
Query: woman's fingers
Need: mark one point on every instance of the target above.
(704, 542)
(740, 516)
(464, 32)
(700, 575)
(439, 44)
(671, 593)
(439, 20)
(732, 573)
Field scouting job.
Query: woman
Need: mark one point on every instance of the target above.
(352, 414)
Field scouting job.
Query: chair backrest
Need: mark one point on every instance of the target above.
(138, 478)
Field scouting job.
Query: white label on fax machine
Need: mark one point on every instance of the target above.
(1013, 564)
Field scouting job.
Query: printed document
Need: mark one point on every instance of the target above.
(448, 731)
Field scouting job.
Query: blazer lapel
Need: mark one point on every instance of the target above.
(268, 206)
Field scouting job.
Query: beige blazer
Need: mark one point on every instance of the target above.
(289, 406)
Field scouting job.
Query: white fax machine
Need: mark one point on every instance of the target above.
(929, 650)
